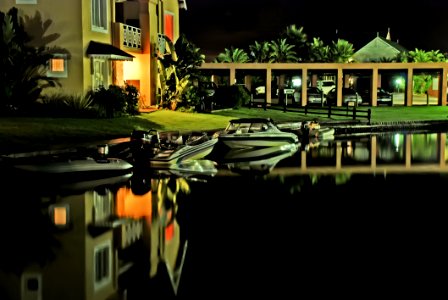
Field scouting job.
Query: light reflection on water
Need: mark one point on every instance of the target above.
(342, 216)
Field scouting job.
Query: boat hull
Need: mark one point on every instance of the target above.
(166, 158)
(77, 166)
(235, 141)
(258, 160)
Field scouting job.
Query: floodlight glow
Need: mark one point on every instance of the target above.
(296, 82)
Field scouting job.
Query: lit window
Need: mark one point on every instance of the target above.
(26, 1)
(169, 25)
(99, 15)
(57, 66)
(59, 214)
(103, 265)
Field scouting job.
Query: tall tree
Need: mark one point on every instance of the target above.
(341, 51)
(259, 52)
(299, 39)
(318, 51)
(423, 81)
(233, 55)
(23, 62)
(189, 57)
(282, 52)
(172, 85)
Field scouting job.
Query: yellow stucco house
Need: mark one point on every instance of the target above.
(108, 41)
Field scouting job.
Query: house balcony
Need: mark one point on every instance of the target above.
(126, 230)
(127, 37)
(128, 233)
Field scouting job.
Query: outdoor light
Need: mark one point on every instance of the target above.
(296, 82)
(398, 82)
(397, 140)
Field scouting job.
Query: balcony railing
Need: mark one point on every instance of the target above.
(132, 37)
(127, 36)
(128, 233)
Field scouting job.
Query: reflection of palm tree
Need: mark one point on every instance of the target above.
(30, 241)
(166, 241)
(169, 188)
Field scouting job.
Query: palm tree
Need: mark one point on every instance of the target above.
(259, 52)
(419, 56)
(23, 62)
(318, 51)
(282, 52)
(171, 85)
(233, 55)
(423, 81)
(436, 56)
(189, 58)
(297, 37)
(341, 51)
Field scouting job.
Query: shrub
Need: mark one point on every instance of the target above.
(64, 105)
(115, 101)
(233, 96)
(132, 99)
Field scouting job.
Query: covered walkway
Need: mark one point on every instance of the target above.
(345, 75)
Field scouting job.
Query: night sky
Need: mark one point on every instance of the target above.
(213, 25)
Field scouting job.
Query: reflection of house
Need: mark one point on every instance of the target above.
(379, 49)
(102, 228)
(110, 42)
(87, 263)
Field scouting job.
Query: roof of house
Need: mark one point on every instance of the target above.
(378, 49)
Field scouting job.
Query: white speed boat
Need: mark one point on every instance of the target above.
(162, 149)
(254, 132)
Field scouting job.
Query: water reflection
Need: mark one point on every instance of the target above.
(343, 216)
(387, 152)
(156, 201)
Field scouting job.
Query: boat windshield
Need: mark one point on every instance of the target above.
(246, 127)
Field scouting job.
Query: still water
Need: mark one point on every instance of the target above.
(355, 216)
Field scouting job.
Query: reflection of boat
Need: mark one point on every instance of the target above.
(77, 166)
(323, 133)
(190, 168)
(164, 148)
(69, 171)
(254, 132)
(257, 160)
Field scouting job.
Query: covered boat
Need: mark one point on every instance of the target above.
(254, 132)
(71, 166)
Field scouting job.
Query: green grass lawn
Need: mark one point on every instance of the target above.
(29, 134)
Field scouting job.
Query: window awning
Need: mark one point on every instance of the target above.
(107, 51)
